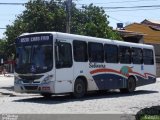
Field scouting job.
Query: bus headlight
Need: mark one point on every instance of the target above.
(47, 79)
(17, 80)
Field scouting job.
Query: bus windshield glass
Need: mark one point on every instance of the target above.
(34, 57)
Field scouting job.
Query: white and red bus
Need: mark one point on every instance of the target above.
(56, 63)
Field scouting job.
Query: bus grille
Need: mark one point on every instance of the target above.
(32, 77)
(31, 87)
(30, 81)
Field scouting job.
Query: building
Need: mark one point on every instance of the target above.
(9, 64)
(148, 32)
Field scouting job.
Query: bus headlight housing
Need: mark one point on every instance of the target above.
(17, 80)
(47, 79)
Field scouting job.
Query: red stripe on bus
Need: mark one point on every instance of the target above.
(106, 70)
(114, 71)
(145, 74)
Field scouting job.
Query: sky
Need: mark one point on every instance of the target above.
(8, 13)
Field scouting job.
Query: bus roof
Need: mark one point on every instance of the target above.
(90, 39)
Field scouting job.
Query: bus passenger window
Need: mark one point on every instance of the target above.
(148, 57)
(137, 56)
(111, 53)
(124, 54)
(95, 51)
(80, 51)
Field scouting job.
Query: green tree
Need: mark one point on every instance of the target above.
(50, 15)
(92, 21)
(3, 44)
(39, 16)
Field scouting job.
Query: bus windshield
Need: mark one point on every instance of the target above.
(34, 58)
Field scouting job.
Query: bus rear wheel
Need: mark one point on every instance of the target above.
(79, 88)
(131, 86)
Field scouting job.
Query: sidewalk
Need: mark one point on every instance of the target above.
(6, 84)
(7, 75)
(158, 79)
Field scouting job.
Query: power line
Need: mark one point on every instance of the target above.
(149, 6)
(12, 3)
(3, 28)
(127, 1)
(131, 10)
(18, 3)
(123, 2)
(115, 19)
(132, 7)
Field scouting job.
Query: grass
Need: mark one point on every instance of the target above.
(150, 117)
(152, 113)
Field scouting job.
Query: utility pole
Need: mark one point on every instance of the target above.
(68, 10)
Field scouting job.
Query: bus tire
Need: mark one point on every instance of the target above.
(131, 86)
(46, 95)
(79, 88)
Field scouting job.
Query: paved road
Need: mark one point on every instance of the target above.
(110, 102)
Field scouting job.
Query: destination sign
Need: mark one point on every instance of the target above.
(34, 38)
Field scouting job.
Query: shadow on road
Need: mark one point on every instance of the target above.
(11, 88)
(58, 99)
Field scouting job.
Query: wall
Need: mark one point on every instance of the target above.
(157, 53)
(158, 69)
(150, 35)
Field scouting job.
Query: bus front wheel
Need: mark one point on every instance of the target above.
(79, 88)
(131, 86)
(46, 95)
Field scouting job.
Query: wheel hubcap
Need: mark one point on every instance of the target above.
(79, 88)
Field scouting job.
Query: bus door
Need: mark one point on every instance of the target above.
(64, 66)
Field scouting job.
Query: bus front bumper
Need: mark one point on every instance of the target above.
(34, 88)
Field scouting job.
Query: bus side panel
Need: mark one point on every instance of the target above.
(148, 76)
(63, 86)
(63, 82)
(109, 77)
(142, 81)
(82, 69)
(109, 81)
(149, 73)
